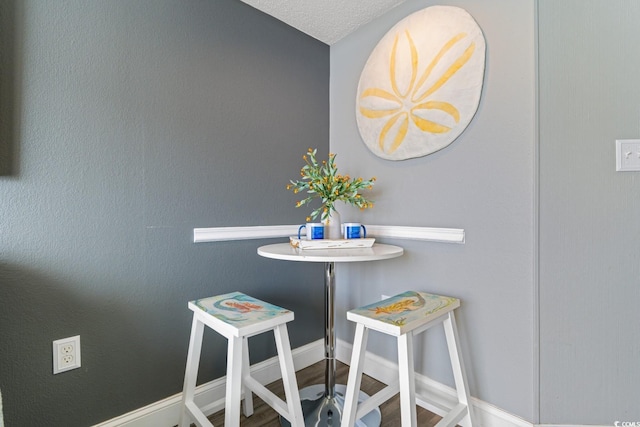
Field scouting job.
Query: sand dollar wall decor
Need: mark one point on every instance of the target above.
(421, 85)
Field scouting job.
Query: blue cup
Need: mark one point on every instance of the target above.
(314, 230)
(352, 230)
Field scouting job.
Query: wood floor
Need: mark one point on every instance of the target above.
(264, 416)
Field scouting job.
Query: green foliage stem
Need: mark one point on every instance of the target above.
(322, 180)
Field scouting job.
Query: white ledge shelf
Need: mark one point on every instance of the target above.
(430, 234)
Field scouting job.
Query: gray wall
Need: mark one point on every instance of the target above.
(137, 121)
(558, 345)
(7, 83)
(483, 182)
(589, 227)
(133, 122)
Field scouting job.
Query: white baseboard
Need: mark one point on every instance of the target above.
(434, 396)
(165, 413)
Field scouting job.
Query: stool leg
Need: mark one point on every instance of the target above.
(234, 381)
(247, 405)
(408, 414)
(191, 372)
(355, 376)
(289, 381)
(459, 375)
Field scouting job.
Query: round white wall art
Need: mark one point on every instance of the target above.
(421, 85)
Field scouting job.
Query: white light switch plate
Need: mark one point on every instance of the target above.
(627, 155)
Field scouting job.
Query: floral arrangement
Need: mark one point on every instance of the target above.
(322, 180)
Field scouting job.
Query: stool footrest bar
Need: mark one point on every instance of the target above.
(197, 414)
(212, 407)
(374, 401)
(455, 415)
(268, 396)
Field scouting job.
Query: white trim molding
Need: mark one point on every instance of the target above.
(166, 412)
(430, 394)
(430, 234)
(434, 396)
(220, 234)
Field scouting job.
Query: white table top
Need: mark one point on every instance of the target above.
(285, 251)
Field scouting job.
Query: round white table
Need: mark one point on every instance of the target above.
(324, 407)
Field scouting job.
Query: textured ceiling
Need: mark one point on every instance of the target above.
(325, 20)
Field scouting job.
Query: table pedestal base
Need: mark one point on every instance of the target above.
(321, 411)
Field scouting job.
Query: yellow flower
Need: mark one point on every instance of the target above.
(326, 183)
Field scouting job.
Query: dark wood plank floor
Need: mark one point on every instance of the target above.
(264, 416)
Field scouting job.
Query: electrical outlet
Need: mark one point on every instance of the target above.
(66, 354)
(627, 155)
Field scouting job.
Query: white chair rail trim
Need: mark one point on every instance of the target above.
(430, 234)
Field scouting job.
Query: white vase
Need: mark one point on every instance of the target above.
(332, 226)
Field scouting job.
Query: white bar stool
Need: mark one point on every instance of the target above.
(237, 317)
(405, 316)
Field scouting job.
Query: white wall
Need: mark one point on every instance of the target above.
(484, 182)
